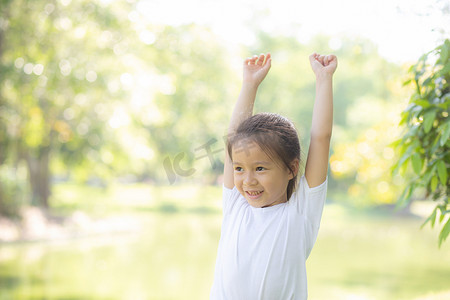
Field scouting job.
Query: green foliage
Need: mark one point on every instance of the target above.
(426, 140)
(91, 90)
(56, 61)
(365, 100)
(191, 96)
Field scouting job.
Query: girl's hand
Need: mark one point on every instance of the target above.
(323, 65)
(256, 69)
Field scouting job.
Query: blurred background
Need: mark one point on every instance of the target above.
(113, 116)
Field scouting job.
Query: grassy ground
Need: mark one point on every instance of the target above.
(363, 255)
(358, 255)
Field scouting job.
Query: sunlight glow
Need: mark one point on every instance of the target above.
(18, 63)
(147, 37)
(120, 118)
(38, 69)
(65, 67)
(91, 76)
(127, 80)
(28, 68)
(402, 29)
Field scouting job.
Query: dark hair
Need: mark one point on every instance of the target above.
(277, 137)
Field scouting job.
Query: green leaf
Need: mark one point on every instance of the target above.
(428, 119)
(444, 106)
(403, 160)
(431, 218)
(442, 172)
(445, 70)
(445, 134)
(427, 81)
(434, 183)
(422, 102)
(427, 176)
(395, 143)
(404, 118)
(417, 163)
(445, 52)
(444, 232)
(407, 82)
(443, 212)
(435, 144)
(405, 196)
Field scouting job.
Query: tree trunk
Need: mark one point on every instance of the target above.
(39, 176)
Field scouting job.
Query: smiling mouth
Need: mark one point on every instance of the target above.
(254, 194)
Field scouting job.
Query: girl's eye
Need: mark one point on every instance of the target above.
(260, 169)
(238, 169)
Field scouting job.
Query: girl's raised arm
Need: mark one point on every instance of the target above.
(255, 70)
(322, 119)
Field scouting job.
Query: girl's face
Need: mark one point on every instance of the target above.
(260, 179)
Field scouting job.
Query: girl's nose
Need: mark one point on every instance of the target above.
(250, 179)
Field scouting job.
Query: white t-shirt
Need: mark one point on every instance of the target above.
(262, 251)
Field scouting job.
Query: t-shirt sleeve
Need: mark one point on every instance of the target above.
(230, 198)
(310, 203)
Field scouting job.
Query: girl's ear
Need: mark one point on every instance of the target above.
(295, 165)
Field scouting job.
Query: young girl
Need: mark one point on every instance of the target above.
(269, 224)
